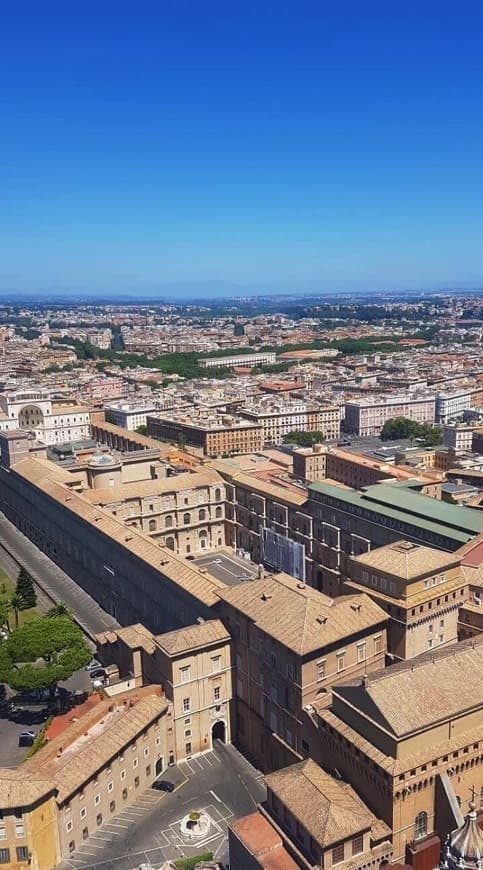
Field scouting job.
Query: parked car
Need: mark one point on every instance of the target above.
(93, 664)
(163, 785)
(26, 738)
(97, 674)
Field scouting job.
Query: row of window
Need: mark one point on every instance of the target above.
(185, 672)
(22, 854)
(187, 701)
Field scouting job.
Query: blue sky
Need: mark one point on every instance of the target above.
(259, 145)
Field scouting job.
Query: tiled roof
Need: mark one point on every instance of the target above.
(19, 790)
(146, 488)
(300, 617)
(327, 808)
(89, 743)
(194, 636)
(417, 694)
(134, 636)
(406, 560)
(176, 569)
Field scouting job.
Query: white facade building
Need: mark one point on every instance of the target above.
(452, 405)
(128, 416)
(242, 359)
(367, 416)
(50, 419)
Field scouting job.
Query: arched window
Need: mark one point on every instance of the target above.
(217, 494)
(152, 525)
(168, 521)
(186, 519)
(203, 538)
(170, 543)
(420, 825)
(202, 515)
(219, 512)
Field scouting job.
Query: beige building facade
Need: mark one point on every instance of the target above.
(420, 589)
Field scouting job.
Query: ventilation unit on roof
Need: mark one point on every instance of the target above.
(322, 620)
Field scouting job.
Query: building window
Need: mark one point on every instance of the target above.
(420, 825)
(4, 856)
(185, 674)
(97, 800)
(187, 749)
(19, 830)
(71, 846)
(361, 652)
(340, 662)
(112, 806)
(378, 644)
(357, 845)
(216, 693)
(216, 663)
(124, 794)
(338, 854)
(83, 813)
(99, 819)
(146, 751)
(148, 770)
(123, 774)
(152, 525)
(321, 670)
(22, 853)
(186, 519)
(110, 786)
(168, 522)
(187, 732)
(69, 826)
(136, 782)
(186, 705)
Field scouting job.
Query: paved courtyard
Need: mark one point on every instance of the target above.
(221, 783)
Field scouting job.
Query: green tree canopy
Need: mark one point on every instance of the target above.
(304, 439)
(402, 427)
(25, 590)
(41, 653)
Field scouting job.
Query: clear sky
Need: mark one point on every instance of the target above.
(249, 144)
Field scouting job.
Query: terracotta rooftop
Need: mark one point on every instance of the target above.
(263, 842)
(415, 695)
(300, 617)
(193, 637)
(407, 560)
(135, 636)
(327, 808)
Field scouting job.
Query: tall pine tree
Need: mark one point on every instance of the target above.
(25, 589)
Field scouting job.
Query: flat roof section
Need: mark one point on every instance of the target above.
(228, 568)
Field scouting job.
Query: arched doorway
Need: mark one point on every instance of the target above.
(159, 766)
(218, 732)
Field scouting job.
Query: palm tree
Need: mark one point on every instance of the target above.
(16, 604)
(5, 608)
(59, 609)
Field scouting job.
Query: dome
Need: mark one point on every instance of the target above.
(98, 459)
(465, 845)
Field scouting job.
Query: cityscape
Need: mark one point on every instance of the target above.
(241, 436)
(242, 561)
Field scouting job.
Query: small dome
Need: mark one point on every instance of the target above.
(465, 846)
(99, 458)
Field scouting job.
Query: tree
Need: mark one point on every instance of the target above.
(16, 604)
(304, 439)
(142, 429)
(41, 653)
(59, 609)
(25, 589)
(403, 427)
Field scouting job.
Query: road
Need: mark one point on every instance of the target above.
(51, 580)
(220, 782)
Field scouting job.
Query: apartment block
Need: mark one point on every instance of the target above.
(213, 434)
(278, 420)
(347, 523)
(367, 416)
(98, 760)
(194, 668)
(128, 416)
(409, 739)
(420, 588)
(291, 644)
